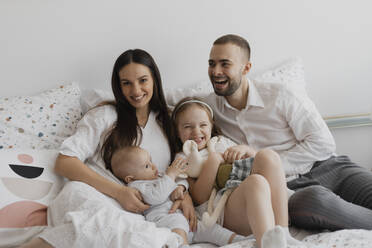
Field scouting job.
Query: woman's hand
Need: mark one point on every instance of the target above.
(188, 210)
(131, 200)
(178, 193)
(238, 152)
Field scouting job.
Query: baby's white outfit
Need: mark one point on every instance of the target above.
(156, 193)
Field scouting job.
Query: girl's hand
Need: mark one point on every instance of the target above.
(131, 200)
(218, 157)
(238, 152)
(188, 210)
(178, 193)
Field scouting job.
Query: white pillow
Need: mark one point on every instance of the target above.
(41, 121)
(28, 184)
(92, 97)
(290, 71)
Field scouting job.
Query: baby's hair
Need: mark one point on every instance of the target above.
(125, 166)
(186, 103)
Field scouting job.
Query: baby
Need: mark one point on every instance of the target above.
(133, 165)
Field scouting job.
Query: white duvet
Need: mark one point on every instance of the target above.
(82, 217)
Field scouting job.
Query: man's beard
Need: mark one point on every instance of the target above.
(231, 88)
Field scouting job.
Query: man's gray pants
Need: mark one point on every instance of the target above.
(335, 194)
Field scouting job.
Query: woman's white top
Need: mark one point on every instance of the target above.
(91, 132)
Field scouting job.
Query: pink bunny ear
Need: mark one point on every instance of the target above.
(189, 146)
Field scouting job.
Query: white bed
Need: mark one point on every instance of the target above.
(31, 129)
(88, 218)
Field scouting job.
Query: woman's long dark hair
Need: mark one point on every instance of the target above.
(126, 131)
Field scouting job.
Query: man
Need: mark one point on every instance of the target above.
(331, 192)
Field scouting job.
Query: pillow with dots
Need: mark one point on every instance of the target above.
(40, 121)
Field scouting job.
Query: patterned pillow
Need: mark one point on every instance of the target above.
(28, 185)
(41, 121)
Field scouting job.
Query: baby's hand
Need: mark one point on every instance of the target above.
(178, 166)
(178, 193)
(238, 152)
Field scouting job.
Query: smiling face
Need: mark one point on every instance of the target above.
(194, 123)
(137, 85)
(227, 67)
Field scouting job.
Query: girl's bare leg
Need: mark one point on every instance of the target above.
(36, 243)
(249, 208)
(267, 163)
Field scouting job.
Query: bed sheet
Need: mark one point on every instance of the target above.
(356, 238)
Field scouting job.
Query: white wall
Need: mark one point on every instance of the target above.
(43, 43)
(355, 142)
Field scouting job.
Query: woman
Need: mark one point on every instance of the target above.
(139, 116)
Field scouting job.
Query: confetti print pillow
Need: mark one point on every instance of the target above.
(41, 121)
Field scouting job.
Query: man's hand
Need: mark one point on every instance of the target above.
(131, 200)
(238, 152)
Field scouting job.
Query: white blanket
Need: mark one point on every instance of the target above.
(82, 217)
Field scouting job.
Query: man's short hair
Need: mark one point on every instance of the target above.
(236, 40)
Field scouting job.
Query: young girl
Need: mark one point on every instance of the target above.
(259, 205)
